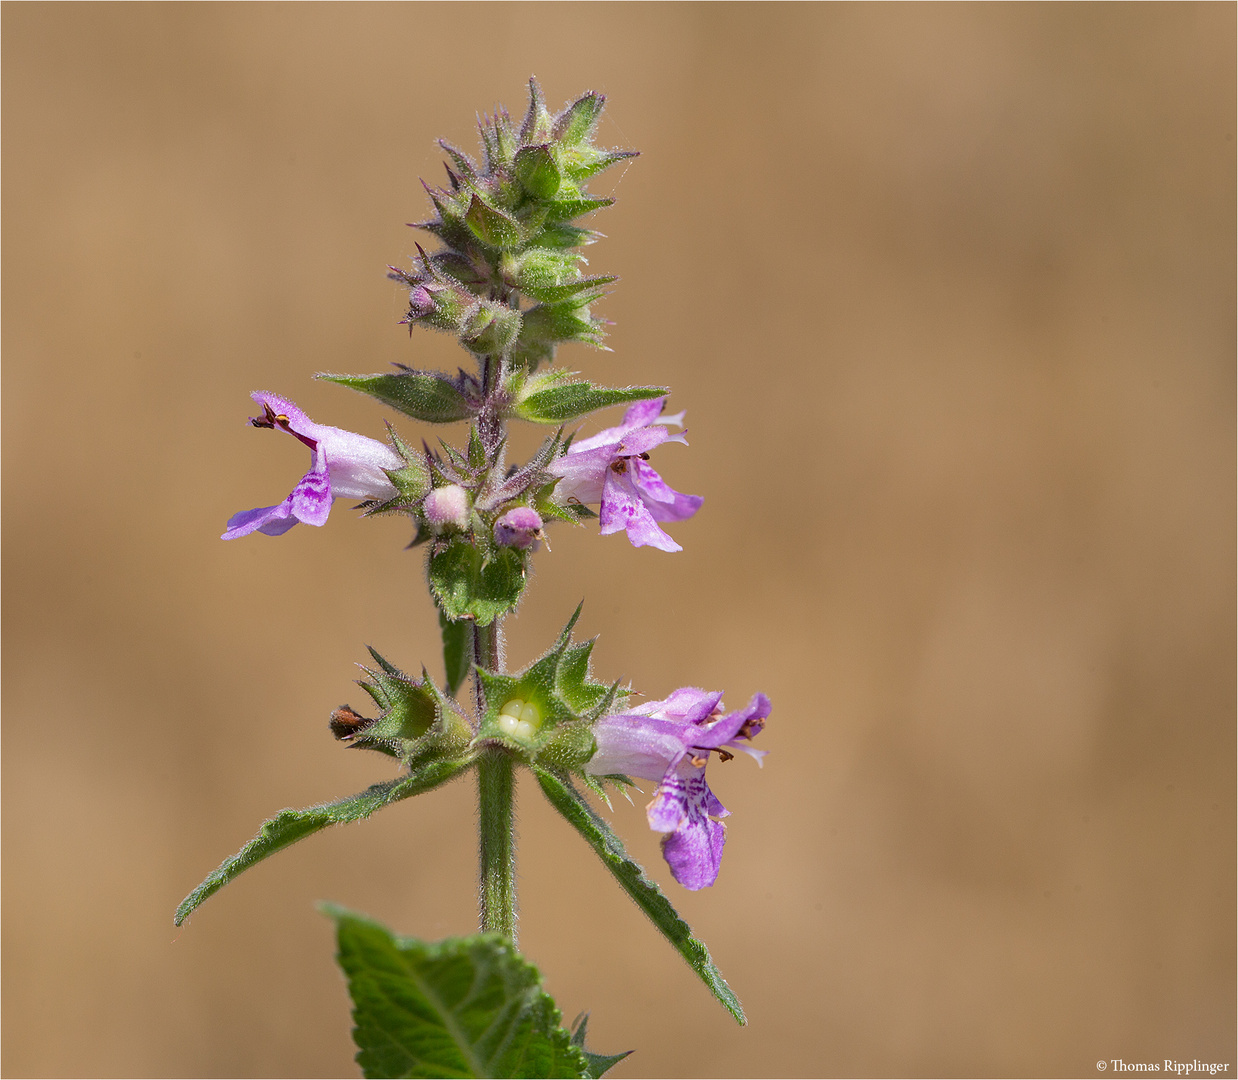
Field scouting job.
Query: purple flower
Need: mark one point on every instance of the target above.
(345, 465)
(670, 741)
(611, 468)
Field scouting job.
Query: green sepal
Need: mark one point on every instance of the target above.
(537, 123)
(424, 395)
(567, 209)
(471, 584)
(553, 397)
(599, 1064)
(417, 720)
(576, 123)
(457, 650)
(548, 325)
(463, 163)
(567, 700)
(289, 826)
(476, 449)
(412, 482)
(586, 161)
(493, 227)
(649, 898)
(562, 235)
(537, 171)
(569, 290)
(490, 328)
(463, 1007)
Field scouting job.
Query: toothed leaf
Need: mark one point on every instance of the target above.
(467, 1007)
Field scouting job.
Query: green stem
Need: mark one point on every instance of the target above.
(496, 788)
(496, 784)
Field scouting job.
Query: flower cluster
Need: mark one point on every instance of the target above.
(609, 469)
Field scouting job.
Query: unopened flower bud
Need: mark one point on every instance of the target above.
(447, 506)
(520, 527)
(420, 302)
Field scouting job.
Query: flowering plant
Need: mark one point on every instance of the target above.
(507, 281)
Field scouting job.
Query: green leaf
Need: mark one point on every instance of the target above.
(649, 898)
(599, 1064)
(460, 1007)
(457, 650)
(547, 399)
(423, 395)
(289, 826)
(468, 586)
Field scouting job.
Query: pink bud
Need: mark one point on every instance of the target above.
(447, 506)
(520, 527)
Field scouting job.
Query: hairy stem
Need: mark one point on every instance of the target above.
(496, 788)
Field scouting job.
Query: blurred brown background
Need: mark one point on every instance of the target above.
(948, 294)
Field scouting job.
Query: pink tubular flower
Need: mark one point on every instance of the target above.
(610, 468)
(345, 466)
(670, 741)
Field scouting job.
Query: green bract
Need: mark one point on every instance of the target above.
(554, 397)
(470, 582)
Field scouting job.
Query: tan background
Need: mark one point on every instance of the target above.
(948, 294)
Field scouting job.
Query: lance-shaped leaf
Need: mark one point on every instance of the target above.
(553, 397)
(424, 395)
(460, 1007)
(289, 826)
(649, 898)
